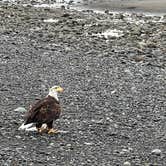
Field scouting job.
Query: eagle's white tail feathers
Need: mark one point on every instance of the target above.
(31, 129)
(25, 127)
(28, 127)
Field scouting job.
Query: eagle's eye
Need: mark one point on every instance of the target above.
(58, 89)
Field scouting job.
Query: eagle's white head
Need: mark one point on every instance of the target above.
(53, 92)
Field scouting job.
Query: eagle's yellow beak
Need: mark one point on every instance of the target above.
(59, 89)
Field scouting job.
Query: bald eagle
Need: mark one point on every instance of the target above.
(45, 111)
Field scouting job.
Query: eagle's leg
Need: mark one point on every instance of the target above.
(50, 128)
(39, 127)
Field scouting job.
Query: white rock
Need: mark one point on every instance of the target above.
(20, 109)
(127, 163)
(88, 143)
(62, 131)
(51, 20)
(51, 144)
(156, 151)
(18, 137)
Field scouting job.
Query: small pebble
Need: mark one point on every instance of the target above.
(124, 151)
(139, 58)
(51, 144)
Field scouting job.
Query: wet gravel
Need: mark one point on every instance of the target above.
(115, 86)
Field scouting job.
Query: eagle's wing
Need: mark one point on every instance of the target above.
(41, 105)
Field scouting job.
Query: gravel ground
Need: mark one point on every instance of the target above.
(113, 70)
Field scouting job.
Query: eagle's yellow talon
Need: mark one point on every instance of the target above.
(39, 130)
(53, 131)
(42, 130)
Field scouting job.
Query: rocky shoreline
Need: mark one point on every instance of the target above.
(151, 6)
(113, 69)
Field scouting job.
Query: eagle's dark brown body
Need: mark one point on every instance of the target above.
(44, 111)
